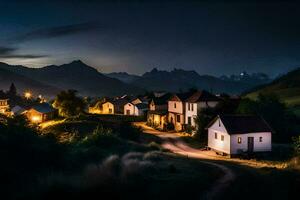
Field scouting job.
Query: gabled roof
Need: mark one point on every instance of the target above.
(242, 124)
(195, 96)
(142, 106)
(119, 102)
(163, 99)
(43, 108)
(201, 96)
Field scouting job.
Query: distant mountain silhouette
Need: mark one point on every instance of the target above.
(123, 76)
(24, 83)
(75, 75)
(179, 79)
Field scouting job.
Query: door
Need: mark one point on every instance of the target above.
(190, 121)
(250, 144)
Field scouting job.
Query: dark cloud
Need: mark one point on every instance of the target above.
(6, 50)
(9, 52)
(58, 31)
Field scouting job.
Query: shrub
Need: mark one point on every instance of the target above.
(170, 127)
(127, 131)
(100, 137)
(296, 144)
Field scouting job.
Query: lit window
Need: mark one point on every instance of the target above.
(216, 135)
(239, 140)
(222, 137)
(260, 139)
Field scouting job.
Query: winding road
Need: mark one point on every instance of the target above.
(172, 142)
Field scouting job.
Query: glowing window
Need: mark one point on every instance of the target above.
(239, 140)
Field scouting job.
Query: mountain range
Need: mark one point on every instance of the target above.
(75, 75)
(49, 80)
(181, 80)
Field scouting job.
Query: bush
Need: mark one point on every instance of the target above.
(100, 137)
(170, 127)
(296, 144)
(127, 131)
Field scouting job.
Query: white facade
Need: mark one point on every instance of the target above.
(130, 109)
(190, 113)
(220, 140)
(175, 107)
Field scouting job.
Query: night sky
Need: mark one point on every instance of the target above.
(135, 36)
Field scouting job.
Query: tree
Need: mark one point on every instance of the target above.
(274, 112)
(68, 104)
(12, 92)
(202, 120)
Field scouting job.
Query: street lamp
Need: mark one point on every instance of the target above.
(27, 95)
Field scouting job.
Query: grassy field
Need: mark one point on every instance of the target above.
(82, 158)
(263, 183)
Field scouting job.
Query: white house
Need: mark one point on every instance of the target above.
(183, 108)
(196, 102)
(234, 134)
(135, 109)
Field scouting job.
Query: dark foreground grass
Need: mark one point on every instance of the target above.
(265, 183)
(94, 160)
(153, 175)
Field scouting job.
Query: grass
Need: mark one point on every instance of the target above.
(262, 183)
(95, 159)
(153, 175)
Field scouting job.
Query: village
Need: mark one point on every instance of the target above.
(227, 134)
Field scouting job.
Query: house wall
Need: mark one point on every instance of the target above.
(192, 112)
(37, 117)
(4, 106)
(218, 144)
(158, 120)
(106, 108)
(132, 109)
(172, 118)
(178, 109)
(152, 106)
(265, 145)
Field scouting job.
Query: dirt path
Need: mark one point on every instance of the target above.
(171, 142)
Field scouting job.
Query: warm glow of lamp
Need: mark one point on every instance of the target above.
(27, 95)
(35, 119)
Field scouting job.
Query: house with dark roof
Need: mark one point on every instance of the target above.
(139, 109)
(183, 108)
(235, 134)
(158, 111)
(40, 113)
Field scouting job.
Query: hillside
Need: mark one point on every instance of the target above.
(286, 87)
(123, 76)
(75, 75)
(179, 79)
(24, 83)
